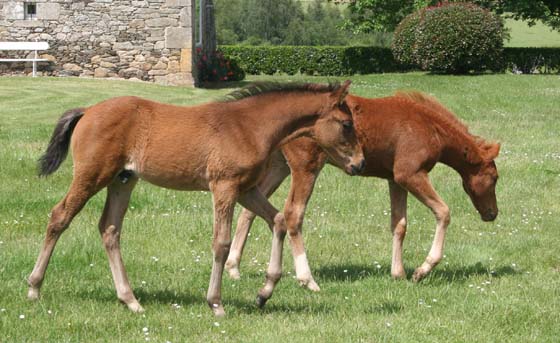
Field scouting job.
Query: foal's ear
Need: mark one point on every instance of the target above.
(340, 94)
(490, 151)
(354, 105)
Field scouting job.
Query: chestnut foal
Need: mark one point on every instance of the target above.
(403, 137)
(223, 147)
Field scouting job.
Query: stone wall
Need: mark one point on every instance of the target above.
(150, 40)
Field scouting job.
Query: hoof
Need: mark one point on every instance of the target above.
(234, 273)
(261, 301)
(399, 276)
(310, 284)
(418, 275)
(218, 311)
(135, 307)
(33, 293)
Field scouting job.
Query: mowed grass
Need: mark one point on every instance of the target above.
(522, 35)
(498, 282)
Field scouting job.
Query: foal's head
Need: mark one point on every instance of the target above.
(479, 180)
(334, 132)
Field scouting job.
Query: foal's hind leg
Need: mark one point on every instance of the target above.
(419, 185)
(255, 201)
(267, 186)
(81, 190)
(398, 228)
(110, 225)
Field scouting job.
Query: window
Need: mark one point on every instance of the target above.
(30, 10)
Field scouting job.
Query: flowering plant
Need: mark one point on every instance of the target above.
(214, 66)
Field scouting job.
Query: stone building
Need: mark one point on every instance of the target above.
(151, 40)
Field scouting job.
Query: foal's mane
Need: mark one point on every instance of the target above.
(437, 109)
(260, 88)
(446, 120)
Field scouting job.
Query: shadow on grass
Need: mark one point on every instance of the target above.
(144, 296)
(386, 308)
(237, 305)
(349, 272)
(356, 272)
(463, 274)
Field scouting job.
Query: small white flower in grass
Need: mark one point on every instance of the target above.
(147, 338)
(49, 312)
(514, 265)
(143, 283)
(388, 324)
(346, 298)
(345, 270)
(21, 316)
(223, 331)
(91, 264)
(378, 266)
(216, 324)
(434, 300)
(144, 329)
(170, 327)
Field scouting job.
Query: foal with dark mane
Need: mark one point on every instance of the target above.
(403, 137)
(223, 147)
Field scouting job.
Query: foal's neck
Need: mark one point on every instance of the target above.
(281, 118)
(456, 149)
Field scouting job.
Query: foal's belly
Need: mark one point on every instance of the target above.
(171, 176)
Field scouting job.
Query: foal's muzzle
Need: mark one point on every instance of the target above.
(489, 215)
(356, 169)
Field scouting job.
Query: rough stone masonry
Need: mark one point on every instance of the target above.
(150, 40)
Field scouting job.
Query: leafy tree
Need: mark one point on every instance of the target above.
(547, 11)
(380, 15)
(384, 15)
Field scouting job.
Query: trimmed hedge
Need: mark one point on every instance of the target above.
(338, 61)
(312, 60)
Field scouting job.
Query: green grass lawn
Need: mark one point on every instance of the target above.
(498, 282)
(523, 35)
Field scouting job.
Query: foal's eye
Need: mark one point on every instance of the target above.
(347, 125)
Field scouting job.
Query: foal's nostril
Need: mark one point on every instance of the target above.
(356, 169)
(362, 165)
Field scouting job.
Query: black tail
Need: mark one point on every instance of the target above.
(60, 141)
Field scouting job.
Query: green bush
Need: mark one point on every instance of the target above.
(313, 60)
(403, 44)
(451, 38)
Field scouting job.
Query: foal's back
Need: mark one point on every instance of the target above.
(396, 127)
(170, 146)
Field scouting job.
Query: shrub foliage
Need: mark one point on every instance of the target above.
(215, 66)
(313, 60)
(333, 61)
(451, 38)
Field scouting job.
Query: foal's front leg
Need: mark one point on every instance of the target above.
(419, 185)
(224, 197)
(256, 202)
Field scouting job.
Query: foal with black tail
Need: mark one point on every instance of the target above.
(223, 147)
